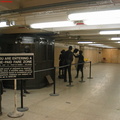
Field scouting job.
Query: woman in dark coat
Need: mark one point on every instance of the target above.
(80, 63)
(61, 63)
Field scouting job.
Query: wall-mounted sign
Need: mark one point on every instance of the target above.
(17, 66)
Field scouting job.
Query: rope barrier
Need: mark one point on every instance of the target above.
(44, 70)
(54, 83)
(59, 67)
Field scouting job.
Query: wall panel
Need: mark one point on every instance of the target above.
(111, 55)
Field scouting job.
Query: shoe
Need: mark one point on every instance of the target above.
(26, 92)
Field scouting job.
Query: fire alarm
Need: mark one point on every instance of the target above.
(80, 22)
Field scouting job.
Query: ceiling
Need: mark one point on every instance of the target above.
(26, 12)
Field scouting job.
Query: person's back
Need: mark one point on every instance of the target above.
(80, 58)
(68, 56)
(62, 57)
(61, 63)
(68, 60)
(80, 63)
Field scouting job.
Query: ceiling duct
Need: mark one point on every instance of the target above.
(58, 4)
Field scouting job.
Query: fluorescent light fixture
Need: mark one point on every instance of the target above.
(95, 15)
(118, 42)
(3, 24)
(101, 21)
(115, 38)
(109, 32)
(101, 45)
(85, 42)
(53, 24)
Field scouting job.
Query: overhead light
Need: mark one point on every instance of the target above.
(118, 42)
(85, 42)
(4, 24)
(101, 21)
(101, 45)
(109, 32)
(97, 17)
(115, 38)
(94, 15)
(52, 24)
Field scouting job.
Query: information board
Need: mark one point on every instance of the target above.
(16, 66)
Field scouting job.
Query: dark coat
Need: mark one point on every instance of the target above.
(68, 57)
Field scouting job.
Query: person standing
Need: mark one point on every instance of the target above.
(80, 63)
(61, 63)
(68, 61)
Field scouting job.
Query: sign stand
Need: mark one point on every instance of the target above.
(22, 109)
(54, 86)
(15, 113)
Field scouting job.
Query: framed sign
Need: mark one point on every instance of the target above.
(16, 66)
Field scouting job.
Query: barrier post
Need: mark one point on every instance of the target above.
(22, 109)
(15, 113)
(54, 84)
(90, 72)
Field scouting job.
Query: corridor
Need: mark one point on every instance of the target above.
(94, 99)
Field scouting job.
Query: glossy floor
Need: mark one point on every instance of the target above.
(94, 99)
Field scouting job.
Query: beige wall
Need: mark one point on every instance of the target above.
(95, 55)
(92, 54)
(111, 55)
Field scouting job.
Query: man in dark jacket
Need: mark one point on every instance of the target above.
(68, 61)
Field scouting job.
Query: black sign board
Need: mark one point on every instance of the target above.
(16, 66)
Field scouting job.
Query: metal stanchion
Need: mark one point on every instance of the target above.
(90, 72)
(15, 113)
(22, 109)
(54, 94)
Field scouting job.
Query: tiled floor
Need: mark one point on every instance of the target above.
(95, 99)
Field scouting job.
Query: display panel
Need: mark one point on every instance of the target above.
(16, 66)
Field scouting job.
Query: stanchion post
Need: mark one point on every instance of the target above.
(15, 113)
(54, 84)
(90, 72)
(22, 109)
